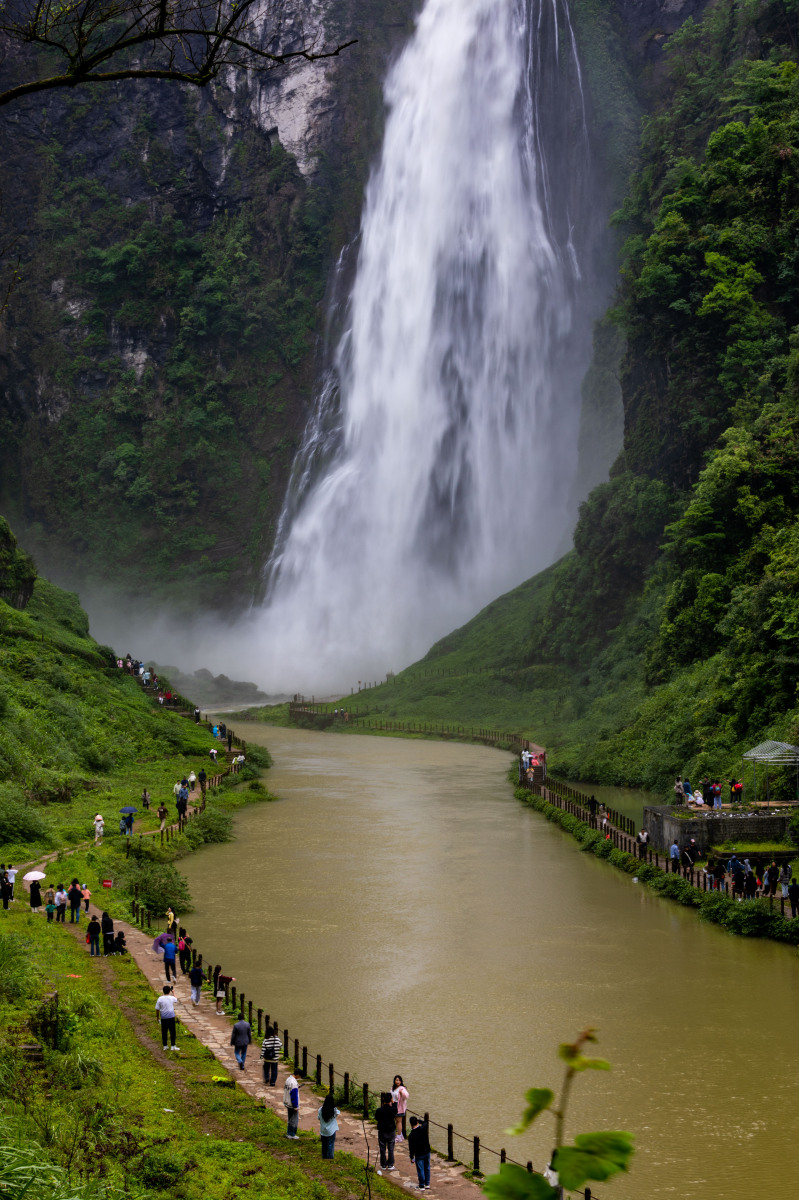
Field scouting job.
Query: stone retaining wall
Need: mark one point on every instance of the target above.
(663, 827)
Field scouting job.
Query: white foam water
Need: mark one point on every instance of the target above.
(437, 464)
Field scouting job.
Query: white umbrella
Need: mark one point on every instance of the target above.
(34, 875)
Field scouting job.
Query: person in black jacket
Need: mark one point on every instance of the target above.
(419, 1151)
(386, 1130)
(107, 926)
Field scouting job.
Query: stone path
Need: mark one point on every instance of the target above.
(447, 1180)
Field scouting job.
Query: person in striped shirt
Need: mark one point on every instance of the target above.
(271, 1047)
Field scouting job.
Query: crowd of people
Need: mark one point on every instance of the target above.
(749, 880)
(176, 945)
(707, 794)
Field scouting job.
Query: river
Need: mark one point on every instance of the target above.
(399, 911)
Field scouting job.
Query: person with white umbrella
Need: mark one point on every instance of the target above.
(33, 878)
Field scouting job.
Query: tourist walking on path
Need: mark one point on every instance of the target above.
(270, 1055)
(419, 1151)
(93, 937)
(74, 895)
(86, 895)
(328, 1125)
(196, 977)
(399, 1094)
(291, 1099)
(785, 879)
(793, 896)
(240, 1038)
(99, 828)
(170, 951)
(11, 873)
(60, 904)
(162, 813)
(386, 1131)
(165, 1011)
(5, 889)
(184, 951)
(674, 855)
(221, 983)
(107, 926)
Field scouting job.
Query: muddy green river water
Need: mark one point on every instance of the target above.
(399, 911)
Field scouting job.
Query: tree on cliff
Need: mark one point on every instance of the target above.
(57, 44)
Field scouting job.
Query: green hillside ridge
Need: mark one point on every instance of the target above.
(80, 736)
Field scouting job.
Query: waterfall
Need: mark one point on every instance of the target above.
(436, 467)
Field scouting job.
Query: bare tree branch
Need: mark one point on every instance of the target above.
(96, 41)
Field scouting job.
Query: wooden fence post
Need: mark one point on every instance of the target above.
(365, 1101)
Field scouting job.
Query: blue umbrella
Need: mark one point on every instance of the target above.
(128, 809)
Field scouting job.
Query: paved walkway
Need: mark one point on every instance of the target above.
(447, 1180)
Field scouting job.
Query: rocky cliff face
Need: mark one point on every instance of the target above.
(158, 355)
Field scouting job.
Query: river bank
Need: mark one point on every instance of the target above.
(91, 1101)
(401, 908)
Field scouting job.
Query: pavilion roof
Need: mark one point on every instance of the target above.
(773, 752)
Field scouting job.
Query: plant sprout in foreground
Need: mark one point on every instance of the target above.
(594, 1156)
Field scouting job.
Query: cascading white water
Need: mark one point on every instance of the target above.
(437, 465)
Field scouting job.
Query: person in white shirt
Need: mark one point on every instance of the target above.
(12, 874)
(165, 1011)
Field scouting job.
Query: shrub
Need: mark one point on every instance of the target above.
(213, 825)
(259, 756)
(19, 823)
(159, 885)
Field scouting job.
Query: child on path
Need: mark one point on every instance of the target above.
(328, 1125)
(93, 937)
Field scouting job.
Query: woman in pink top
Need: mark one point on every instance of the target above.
(399, 1094)
(86, 894)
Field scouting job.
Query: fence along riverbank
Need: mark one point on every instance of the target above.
(326, 715)
(354, 1096)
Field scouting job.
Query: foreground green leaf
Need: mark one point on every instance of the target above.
(595, 1156)
(514, 1183)
(538, 1100)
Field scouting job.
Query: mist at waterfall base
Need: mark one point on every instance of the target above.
(437, 468)
(438, 463)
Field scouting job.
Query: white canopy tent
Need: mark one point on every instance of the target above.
(773, 754)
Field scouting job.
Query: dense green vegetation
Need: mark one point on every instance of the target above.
(667, 639)
(80, 736)
(105, 1114)
(162, 337)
